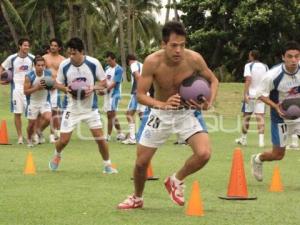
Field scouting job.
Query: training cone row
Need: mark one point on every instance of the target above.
(3, 133)
(276, 185)
(195, 206)
(237, 187)
(29, 166)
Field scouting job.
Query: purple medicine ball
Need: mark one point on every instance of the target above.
(7, 76)
(78, 88)
(194, 87)
(290, 106)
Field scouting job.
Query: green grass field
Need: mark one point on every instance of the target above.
(80, 194)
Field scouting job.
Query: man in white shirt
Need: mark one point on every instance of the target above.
(281, 81)
(254, 73)
(80, 67)
(20, 64)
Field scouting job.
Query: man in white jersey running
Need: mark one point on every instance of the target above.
(281, 81)
(114, 78)
(136, 68)
(37, 98)
(85, 68)
(20, 64)
(254, 73)
(53, 60)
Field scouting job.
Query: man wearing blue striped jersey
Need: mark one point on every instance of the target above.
(254, 73)
(136, 68)
(20, 64)
(281, 81)
(113, 73)
(84, 68)
(38, 98)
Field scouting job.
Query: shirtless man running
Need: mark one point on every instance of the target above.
(166, 69)
(53, 60)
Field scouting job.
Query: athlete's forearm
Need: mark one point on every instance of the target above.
(144, 99)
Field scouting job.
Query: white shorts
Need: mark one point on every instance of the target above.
(55, 98)
(110, 103)
(134, 105)
(34, 110)
(18, 101)
(254, 106)
(158, 125)
(281, 131)
(70, 120)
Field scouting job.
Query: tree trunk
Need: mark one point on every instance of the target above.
(50, 22)
(10, 24)
(129, 27)
(175, 10)
(121, 35)
(168, 11)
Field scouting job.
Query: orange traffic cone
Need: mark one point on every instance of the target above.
(276, 185)
(29, 167)
(3, 133)
(195, 206)
(237, 187)
(150, 175)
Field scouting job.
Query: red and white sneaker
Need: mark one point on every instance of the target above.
(131, 202)
(175, 190)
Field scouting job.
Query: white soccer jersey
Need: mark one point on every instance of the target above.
(91, 71)
(39, 97)
(135, 67)
(20, 67)
(256, 70)
(278, 84)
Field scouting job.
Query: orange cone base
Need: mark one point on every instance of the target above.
(237, 198)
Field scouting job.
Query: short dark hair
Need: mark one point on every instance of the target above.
(58, 41)
(75, 43)
(110, 54)
(255, 54)
(290, 45)
(172, 27)
(130, 57)
(37, 59)
(22, 40)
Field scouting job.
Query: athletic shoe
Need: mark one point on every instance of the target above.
(20, 141)
(180, 143)
(241, 141)
(131, 202)
(175, 190)
(256, 169)
(121, 137)
(35, 139)
(52, 138)
(109, 170)
(129, 141)
(30, 144)
(108, 138)
(292, 147)
(54, 163)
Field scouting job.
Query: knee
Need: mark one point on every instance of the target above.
(279, 155)
(63, 141)
(141, 165)
(204, 154)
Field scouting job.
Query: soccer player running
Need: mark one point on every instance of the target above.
(254, 72)
(136, 68)
(53, 59)
(166, 69)
(281, 81)
(20, 64)
(37, 98)
(114, 73)
(80, 67)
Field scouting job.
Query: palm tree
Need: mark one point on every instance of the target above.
(13, 20)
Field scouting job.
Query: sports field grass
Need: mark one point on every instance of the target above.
(80, 194)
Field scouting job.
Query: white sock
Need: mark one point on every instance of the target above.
(107, 162)
(132, 130)
(244, 136)
(257, 159)
(261, 138)
(56, 153)
(176, 179)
